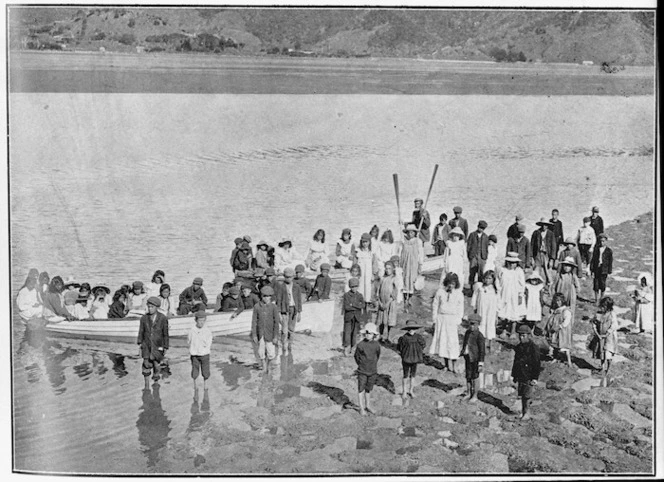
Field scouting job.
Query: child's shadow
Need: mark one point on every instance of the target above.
(496, 402)
(385, 381)
(446, 387)
(335, 394)
(582, 363)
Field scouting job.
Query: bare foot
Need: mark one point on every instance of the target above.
(525, 416)
(472, 399)
(362, 412)
(371, 410)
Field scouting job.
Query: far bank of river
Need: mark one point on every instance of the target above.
(96, 72)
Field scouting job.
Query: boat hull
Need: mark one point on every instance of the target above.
(316, 317)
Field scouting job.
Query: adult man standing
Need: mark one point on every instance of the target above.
(422, 215)
(478, 250)
(513, 230)
(544, 250)
(596, 221)
(521, 245)
(288, 298)
(458, 221)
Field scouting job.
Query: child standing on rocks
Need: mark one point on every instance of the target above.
(526, 368)
(473, 353)
(353, 310)
(485, 302)
(411, 348)
(367, 354)
(200, 342)
(386, 302)
(533, 292)
(558, 328)
(605, 341)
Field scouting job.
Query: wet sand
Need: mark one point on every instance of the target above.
(94, 72)
(303, 418)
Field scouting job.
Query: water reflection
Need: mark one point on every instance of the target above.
(118, 364)
(200, 414)
(153, 425)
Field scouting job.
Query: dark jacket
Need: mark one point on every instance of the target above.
(367, 354)
(152, 336)
(475, 246)
(474, 340)
(597, 224)
(513, 231)
(232, 304)
(116, 310)
(557, 229)
(521, 246)
(265, 321)
(426, 223)
(281, 297)
(411, 348)
(305, 286)
(461, 223)
(607, 261)
(188, 295)
(242, 261)
(321, 289)
(443, 236)
(353, 306)
(526, 362)
(250, 301)
(549, 242)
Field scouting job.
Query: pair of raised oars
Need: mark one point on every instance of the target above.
(395, 177)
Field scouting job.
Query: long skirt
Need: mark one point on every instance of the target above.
(446, 337)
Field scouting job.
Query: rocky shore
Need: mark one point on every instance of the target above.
(302, 417)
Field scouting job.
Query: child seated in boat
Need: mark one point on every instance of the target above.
(322, 285)
(193, 298)
(84, 292)
(54, 309)
(318, 251)
(117, 309)
(137, 298)
(302, 282)
(225, 292)
(243, 260)
(345, 252)
(238, 242)
(232, 302)
(167, 304)
(262, 258)
(28, 303)
(285, 256)
(70, 297)
(154, 286)
(249, 298)
(99, 307)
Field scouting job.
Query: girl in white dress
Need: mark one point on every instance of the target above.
(345, 252)
(28, 300)
(492, 253)
(533, 295)
(455, 253)
(386, 248)
(512, 307)
(644, 297)
(447, 312)
(365, 260)
(485, 303)
(318, 251)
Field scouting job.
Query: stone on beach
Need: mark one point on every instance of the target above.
(450, 444)
(386, 422)
(586, 384)
(322, 412)
(625, 412)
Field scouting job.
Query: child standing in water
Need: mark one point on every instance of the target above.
(200, 343)
(367, 354)
(386, 302)
(485, 304)
(411, 348)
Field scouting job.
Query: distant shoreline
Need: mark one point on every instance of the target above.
(109, 72)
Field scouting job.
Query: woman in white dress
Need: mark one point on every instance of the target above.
(643, 297)
(455, 253)
(447, 312)
(365, 261)
(28, 300)
(318, 252)
(512, 306)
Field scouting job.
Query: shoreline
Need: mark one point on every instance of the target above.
(302, 417)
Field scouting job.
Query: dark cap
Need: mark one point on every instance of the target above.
(299, 268)
(482, 225)
(353, 282)
(153, 300)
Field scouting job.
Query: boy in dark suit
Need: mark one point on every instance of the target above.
(473, 352)
(601, 266)
(526, 368)
(153, 339)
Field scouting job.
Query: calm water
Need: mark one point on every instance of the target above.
(109, 188)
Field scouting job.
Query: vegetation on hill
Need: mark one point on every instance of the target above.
(500, 35)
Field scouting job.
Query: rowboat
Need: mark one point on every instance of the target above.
(316, 317)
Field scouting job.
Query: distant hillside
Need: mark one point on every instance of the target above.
(537, 36)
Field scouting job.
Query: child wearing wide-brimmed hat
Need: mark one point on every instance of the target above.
(353, 309)
(570, 251)
(411, 348)
(567, 283)
(512, 306)
(526, 368)
(412, 257)
(534, 299)
(262, 259)
(455, 253)
(367, 354)
(473, 353)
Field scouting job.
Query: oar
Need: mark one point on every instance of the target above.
(433, 178)
(395, 178)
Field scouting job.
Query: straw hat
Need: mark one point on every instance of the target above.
(370, 328)
(513, 257)
(570, 261)
(412, 325)
(570, 240)
(534, 275)
(410, 227)
(543, 222)
(457, 230)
